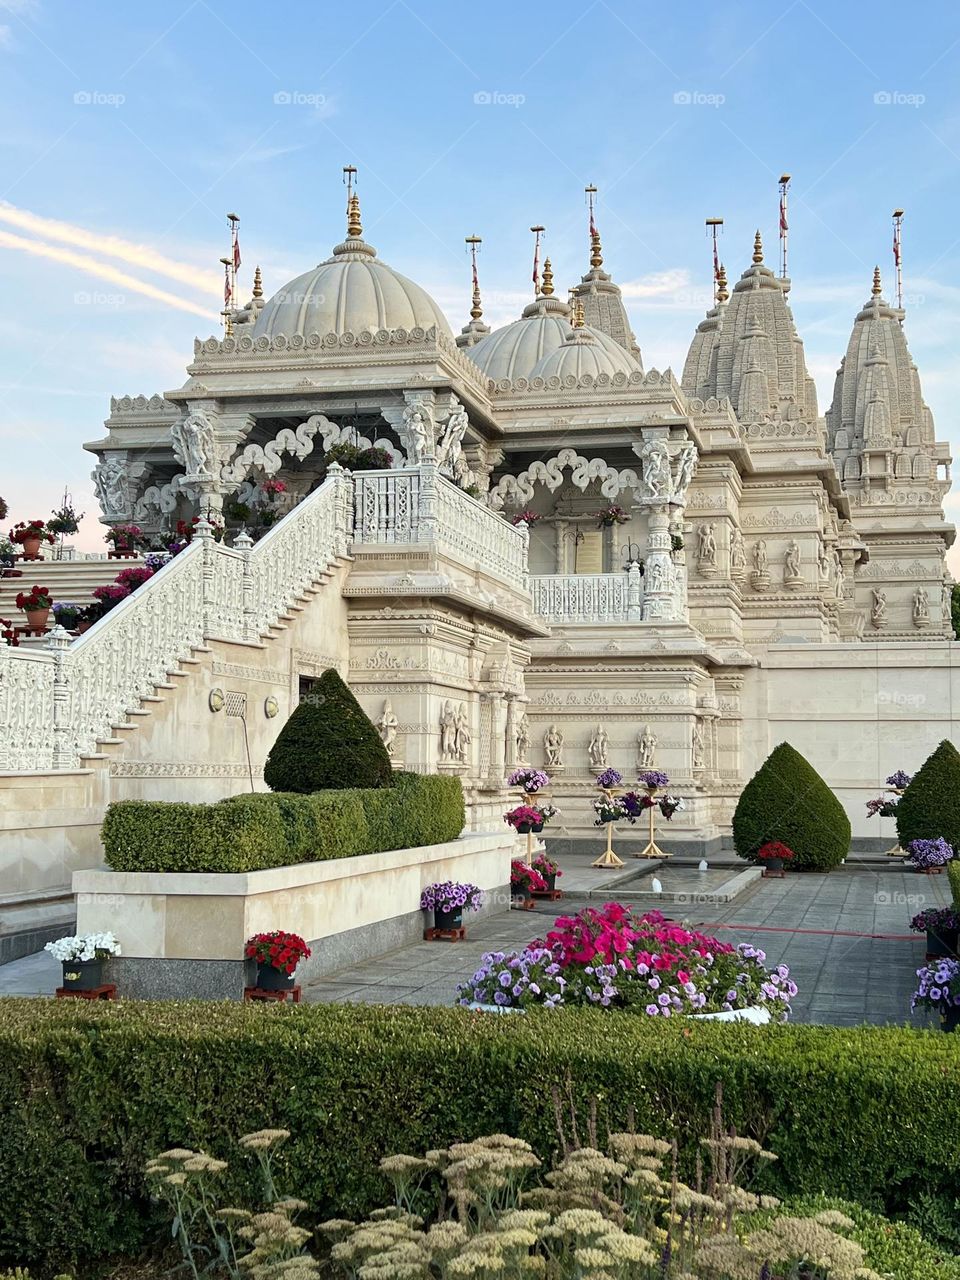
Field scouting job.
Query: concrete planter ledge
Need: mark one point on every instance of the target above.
(182, 934)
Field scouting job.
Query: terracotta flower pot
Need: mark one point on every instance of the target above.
(37, 619)
(31, 548)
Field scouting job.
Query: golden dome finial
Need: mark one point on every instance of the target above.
(578, 314)
(257, 283)
(476, 310)
(354, 225)
(547, 288)
(876, 291)
(757, 248)
(596, 252)
(722, 294)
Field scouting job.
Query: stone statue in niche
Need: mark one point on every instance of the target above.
(646, 748)
(523, 740)
(387, 726)
(450, 442)
(686, 465)
(195, 444)
(760, 557)
(878, 611)
(791, 562)
(597, 749)
(823, 564)
(553, 747)
(448, 732)
(461, 734)
(655, 462)
(838, 581)
(110, 482)
(697, 745)
(706, 548)
(921, 608)
(418, 426)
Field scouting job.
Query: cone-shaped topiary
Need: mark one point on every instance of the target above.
(930, 806)
(787, 800)
(327, 743)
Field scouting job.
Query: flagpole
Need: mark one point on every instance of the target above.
(784, 187)
(477, 310)
(715, 224)
(227, 311)
(898, 257)
(234, 222)
(538, 232)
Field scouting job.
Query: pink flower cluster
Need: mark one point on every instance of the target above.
(612, 936)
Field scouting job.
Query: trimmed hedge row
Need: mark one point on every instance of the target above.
(276, 829)
(89, 1092)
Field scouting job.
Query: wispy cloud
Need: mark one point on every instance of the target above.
(143, 256)
(102, 270)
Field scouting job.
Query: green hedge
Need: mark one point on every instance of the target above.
(953, 871)
(930, 806)
(275, 829)
(88, 1092)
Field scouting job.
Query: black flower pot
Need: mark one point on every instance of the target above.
(521, 894)
(271, 979)
(452, 919)
(524, 828)
(551, 879)
(537, 827)
(950, 1019)
(773, 866)
(82, 975)
(942, 942)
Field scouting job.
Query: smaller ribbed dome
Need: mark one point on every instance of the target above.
(515, 350)
(581, 353)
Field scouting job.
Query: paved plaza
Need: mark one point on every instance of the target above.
(845, 936)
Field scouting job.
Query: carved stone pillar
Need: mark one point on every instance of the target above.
(496, 767)
(510, 733)
(59, 642)
(560, 545)
(659, 603)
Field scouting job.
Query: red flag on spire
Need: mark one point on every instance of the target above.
(227, 288)
(716, 260)
(236, 250)
(593, 225)
(783, 212)
(896, 249)
(536, 265)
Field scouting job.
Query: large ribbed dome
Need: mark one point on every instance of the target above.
(518, 349)
(351, 292)
(582, 352)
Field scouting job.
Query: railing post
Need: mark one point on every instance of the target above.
(427, 507)
(244, 544)
(5, 675)
(204, 535)
(343, 517)
(634, 592)
(59, 644)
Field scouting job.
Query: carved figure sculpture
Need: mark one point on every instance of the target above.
(387, 726)
(646, 748)
(598, 748)
(553, 747)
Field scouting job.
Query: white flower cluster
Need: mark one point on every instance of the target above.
(90, 946)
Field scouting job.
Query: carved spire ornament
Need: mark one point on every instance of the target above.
(596, 251)
(722, 292)
(476, 311)
(257, 283)
(547, 289)
(875, 291)
(757, 248)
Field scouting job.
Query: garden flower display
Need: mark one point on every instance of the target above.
(669, 805)
(899, 780)
(609, 778)
(546, 866)
(634, 804)
(278, 950)
(938, 986)
(653, 778)
(773, 850)
(83, 947)
(525, 517)
(937, 920)
(451, 896)
(609, 809)
(531, 780)
(643, 965)
(525, 878)
(29, 531)
(525, 815)
(929, 853)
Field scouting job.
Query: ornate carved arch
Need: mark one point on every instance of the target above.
(299, 443)
(516, 490)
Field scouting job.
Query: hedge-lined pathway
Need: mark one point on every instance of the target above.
(845, 936)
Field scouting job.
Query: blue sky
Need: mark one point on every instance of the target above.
(149, 123)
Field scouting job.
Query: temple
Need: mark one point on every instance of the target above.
(518, 545)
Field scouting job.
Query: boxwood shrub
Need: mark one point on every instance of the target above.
(275, 829)
(930, 806)
(88, 1092)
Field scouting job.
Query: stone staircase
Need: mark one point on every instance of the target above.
(68, 580)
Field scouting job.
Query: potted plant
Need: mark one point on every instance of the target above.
(126, 540)
(30, 534)
(669, 805)
(8, 555)
(82, 958)
(89, 615)
(67, 615)
(134, 577)
(110, 595)
(64, 521)
(610, 808)
(942, 927)
(529, 780)
(272, 489)
(239, 512)
(36, 604)
(524, 880)
(610, 516)
(609, 778)
(9, 633)
(277, 955)
(448, 901)
(524, 819)
(938, 987)
(547, 868)
(526, 517)
(653, 779)
(929, 856)
(773, 855)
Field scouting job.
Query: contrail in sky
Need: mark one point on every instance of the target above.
(135, 255)
(103, 270)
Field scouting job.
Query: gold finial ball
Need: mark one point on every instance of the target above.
(547, 288)
(757, 248)
(876, 282)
